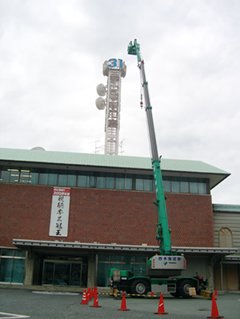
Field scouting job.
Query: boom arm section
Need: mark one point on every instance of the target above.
(163, 231)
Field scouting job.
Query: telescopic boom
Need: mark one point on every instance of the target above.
(163, 231)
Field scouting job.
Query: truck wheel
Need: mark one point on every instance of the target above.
(140, 286)
(183, 288)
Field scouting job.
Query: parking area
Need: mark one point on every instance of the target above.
(18, 303)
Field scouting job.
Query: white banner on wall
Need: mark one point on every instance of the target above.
(60, 212)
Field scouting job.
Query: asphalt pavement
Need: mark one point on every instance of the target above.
(15, 303)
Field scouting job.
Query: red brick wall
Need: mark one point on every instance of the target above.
(105, 216)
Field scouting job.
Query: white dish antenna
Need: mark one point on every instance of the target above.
(100, 103)
(101, 89)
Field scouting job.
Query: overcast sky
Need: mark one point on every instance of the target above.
(51, 57)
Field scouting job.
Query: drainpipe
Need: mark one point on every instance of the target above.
(221, 272)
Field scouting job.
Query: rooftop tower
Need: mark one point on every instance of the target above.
(114, 69)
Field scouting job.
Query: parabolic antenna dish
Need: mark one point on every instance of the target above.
(100, 103)
(101, 89)
(38, 148)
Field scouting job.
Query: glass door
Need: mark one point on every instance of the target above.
(76, 274)
(48, 273)
(62, 273)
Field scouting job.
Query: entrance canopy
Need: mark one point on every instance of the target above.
(97, 247)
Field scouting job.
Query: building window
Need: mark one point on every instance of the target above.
(139, 183)
(28, 177)
(102, 180)
(184, 186)
(105, 180)
(72, 179)
(82, 180)
(91, 180)
(67, 178)
(128, 182)
(13, 175)
(110, 181)
(86, 179)
(43, 178)
(24, 176)
(4, 175)
(144, 183)
(124, 181)
(175, 186)
(62, 179)
(193, 187)
(12, 263)
(167, 185)
(202, 188)
(120, 181)
(52, 178)
(148, 184)
(225, 238)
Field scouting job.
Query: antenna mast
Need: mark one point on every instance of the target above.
(114, 69)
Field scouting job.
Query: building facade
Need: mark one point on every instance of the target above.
(226, 220)
(67, 218)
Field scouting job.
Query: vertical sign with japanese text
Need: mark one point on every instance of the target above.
(60, 212)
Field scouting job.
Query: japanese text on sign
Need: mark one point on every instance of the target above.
(60, 212)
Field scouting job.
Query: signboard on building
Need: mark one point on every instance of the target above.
(60, 212)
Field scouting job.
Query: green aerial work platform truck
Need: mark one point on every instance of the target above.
(164, 270)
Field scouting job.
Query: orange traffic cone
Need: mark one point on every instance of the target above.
(92, 294)
(84, 298)
(214, 313)
(215, 293)
(95, 302)
(89, 295)
(95, 291)
(123, 304)
(161, 307)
